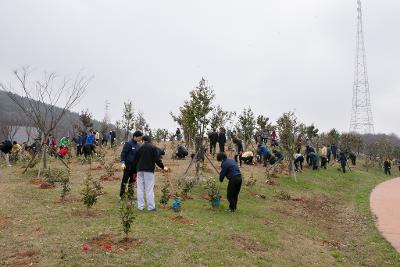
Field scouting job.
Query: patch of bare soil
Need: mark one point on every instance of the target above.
(107, 178)
(66, 200)
(4, 222)
(45, 185)
(109, 242)
(96, 168)
(22, 259)
(182, 220)
(36, 181)
(331, 243)
(84, 213)
(258, 195)
(248, 244)
(205, 196)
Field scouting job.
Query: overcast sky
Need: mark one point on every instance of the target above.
(274, 56)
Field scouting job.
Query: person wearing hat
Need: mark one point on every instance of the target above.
(128, 155)
(146, 159)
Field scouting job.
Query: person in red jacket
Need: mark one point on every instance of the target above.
(63, 151)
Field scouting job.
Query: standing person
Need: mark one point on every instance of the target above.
(213, 137)
(144, 163)
(309, 149)
(298, 161)
(353, 158)
(313, 158)
(105, 138)
(329, 154)
(264, 154)
(221, 139)
(97, 137)
(239, 150)
(334, 151)
(5, 148)
(51, 143)
(343, 161)
(323, 153)
(274, 139)
(112, 137)
(80, 141)
(127, 163)
(387, 165)
(15, 151)
(231, 171)
(178, 134)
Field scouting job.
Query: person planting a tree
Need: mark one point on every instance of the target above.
(127, 158)
(231, 171)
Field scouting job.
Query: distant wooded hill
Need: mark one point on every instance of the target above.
(11, 115)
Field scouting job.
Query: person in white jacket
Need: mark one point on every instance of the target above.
(323, 153)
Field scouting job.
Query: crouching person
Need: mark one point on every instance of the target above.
(145, 162)
(231, 171)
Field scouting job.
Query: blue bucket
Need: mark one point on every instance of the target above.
(216, 202)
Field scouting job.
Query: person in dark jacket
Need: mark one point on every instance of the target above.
(213, 138)
(387, 165)
(264, 154)
(5, 148)
(334, 151)
(313, 160)
(353, 158)
(309, 149)
(221, 139)
(239, 150)
(182, 152)
(127, 160)
(80, 141)
(343, 161)
(231, 171)
(113, 135)
(145, 160)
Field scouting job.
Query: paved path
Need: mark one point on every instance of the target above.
(385, 204)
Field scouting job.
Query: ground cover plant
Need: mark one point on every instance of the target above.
(325, 221)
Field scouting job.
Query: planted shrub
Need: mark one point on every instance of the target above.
(127, 215)
(109, 169)
(165, 195)
(91, 190)
(186, 185)
(213, 192)
(282, 195)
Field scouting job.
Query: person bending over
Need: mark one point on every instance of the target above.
(231, 171)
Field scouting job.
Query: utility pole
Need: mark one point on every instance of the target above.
(361, 117)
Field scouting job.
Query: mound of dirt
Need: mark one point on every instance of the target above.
(109, 178)
(84, 213)
(182, 220)
(248, 244)
(109, 242)
(66, 200)
(23, 258)
(36, 181)
(5, 221)
(45, 185)
(258, 195)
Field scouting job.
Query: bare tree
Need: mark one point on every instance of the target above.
(46, 101)
(9, 131)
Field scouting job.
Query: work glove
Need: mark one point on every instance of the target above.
(123, 167)
(166, 169)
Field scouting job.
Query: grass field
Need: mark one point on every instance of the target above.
(323, 219)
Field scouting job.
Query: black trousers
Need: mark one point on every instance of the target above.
(213, 148)
(344, 168)
(79, 150)
(221, 147)
(387, 171)
(239, 156)
(129, 177)
(324, 161)
(234, 186)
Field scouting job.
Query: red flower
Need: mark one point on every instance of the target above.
(107, 247)
(85, 247)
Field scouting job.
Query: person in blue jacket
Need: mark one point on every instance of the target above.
(264, 154)
(128, 155)
(231, 171)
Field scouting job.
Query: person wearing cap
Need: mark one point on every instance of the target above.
(127, 163)
(231, 171)
(146, 159)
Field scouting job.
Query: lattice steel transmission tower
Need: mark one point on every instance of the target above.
(361, 116)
